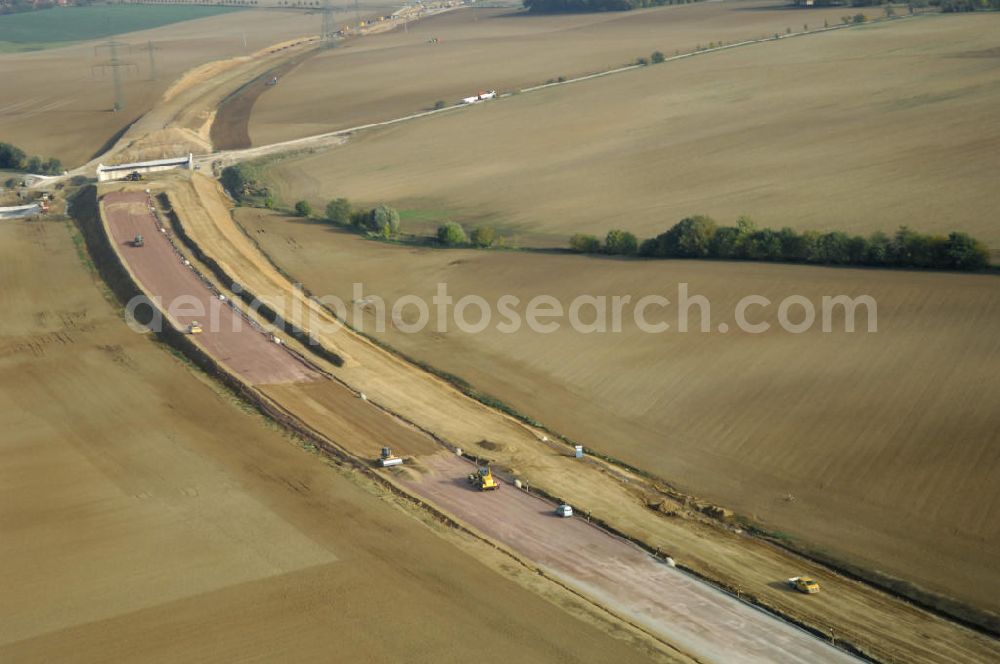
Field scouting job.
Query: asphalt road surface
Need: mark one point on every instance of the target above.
(700, 620)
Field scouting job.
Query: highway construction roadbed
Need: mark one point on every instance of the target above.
(245, 350)
(695, 617)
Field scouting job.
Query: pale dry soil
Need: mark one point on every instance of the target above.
(503, 49)
(854, 612)
(856, 130)
(146, 516)
(879, 448)
(58, 102)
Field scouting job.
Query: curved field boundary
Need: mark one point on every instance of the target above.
(334, 138)
(275, 410)
(115, 273)
(558, 442)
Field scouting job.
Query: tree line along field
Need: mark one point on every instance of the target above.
(879, 449)
(148, 516)
(856, 130)
(61, 101)
(459, 53)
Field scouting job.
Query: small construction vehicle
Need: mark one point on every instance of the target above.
(804, 584)
(387, 458)
(138, 241)
(195, 328)
(483, 479)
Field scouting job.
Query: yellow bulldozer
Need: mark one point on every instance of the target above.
(803, 584)
(483, 479)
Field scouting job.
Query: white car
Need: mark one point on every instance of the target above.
(565, 511)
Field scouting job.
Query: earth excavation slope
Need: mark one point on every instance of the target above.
(854, 611)
(698, 619)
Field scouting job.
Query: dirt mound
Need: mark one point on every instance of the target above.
(490, 445)
(162, 144)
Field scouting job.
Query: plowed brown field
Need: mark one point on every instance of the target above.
(504, 49)
(58, 102)
(877, 448)
(857, 130)
(146, 517)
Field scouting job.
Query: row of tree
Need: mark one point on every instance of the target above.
(13, 158)
(566, 6)
(700, 237)
(383, 221)
(967, 5)
(451, 234)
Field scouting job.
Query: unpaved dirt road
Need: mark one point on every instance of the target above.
(695, 617)
(227, 337)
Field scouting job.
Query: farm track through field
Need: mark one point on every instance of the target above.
(235, 129)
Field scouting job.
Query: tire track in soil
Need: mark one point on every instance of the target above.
(231, 126)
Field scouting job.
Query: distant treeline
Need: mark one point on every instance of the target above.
(701, 237)
(13, 158)
(561, 6)
(966, 5)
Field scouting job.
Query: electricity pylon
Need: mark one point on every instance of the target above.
(152, 61)
(115, 64)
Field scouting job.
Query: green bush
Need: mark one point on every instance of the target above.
(384, 221)
(585, 244)
(484, 236)
(13, 158)
(439, 104)
(451, 234)
(303, 209)
(966, 253)
(657, 57)
(338, 211)
(243, 182)
(689, 238)
(620, 243)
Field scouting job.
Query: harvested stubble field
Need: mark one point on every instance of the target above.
(57, 103)
(504, 49)
(147, 517)
(857, 130)
(880, 449)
